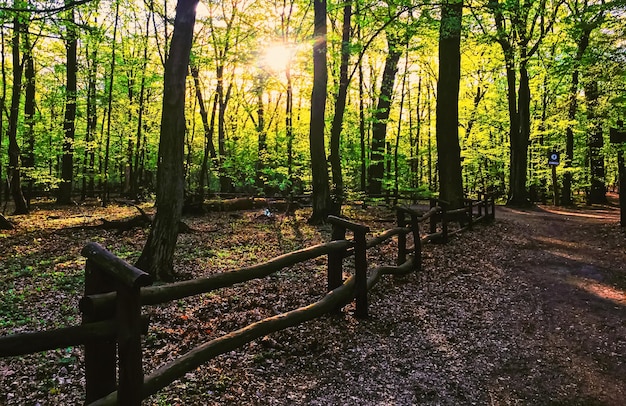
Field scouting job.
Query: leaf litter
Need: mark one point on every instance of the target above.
(526, 311)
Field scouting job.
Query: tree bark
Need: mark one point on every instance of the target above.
(319, 171)
(29, 115)
(223, 97)
(208, 127)
(261, 133)
(447, 125)
(583, 43)
(67, 160)
(105, 192)
(519, 144)
(595, 142)
(289, 125)
(362, 130)
(15, 172)
(340, 107)
(92, 123)
(381, 116)
(157, 257)
(135, 175)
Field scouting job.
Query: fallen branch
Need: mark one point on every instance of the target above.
(140, 221)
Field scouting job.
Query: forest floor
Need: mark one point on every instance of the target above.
(529, 310)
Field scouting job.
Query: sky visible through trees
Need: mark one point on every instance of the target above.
(536, 76)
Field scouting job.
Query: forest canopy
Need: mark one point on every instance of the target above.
(82, 93)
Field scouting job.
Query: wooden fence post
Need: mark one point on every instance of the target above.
(470, 213)
(335, 262)
(444, 224)
(360, 272)
(434, 218)
(417, 242)
(401, 217)
(100, 363)
(360, 261)
(127, 280)
(129, 346)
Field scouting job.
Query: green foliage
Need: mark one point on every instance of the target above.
(234, 36)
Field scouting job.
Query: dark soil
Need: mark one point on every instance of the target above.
(529, 310)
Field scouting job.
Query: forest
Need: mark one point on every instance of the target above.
(82, 98)
(139, 123)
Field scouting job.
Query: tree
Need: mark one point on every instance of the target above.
(586, 19)
(517, 25)
(67, 163)
(107, 148)
(319, 170)
(447, 127)
(14, 172)
(340, 107)
(381, 115)
(208, 127)
(29, 113)
(157, 257)
(595, 142)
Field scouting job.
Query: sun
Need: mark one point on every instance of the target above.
(277, 57)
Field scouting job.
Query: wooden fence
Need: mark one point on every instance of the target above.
(112, 323)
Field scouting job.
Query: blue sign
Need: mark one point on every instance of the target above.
(554, 158)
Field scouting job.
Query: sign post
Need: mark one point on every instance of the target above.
(618, 136)
(554, 159)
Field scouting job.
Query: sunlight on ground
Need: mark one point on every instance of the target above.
(600, 290)
(603, 216)
(563, 249)
(558, 243)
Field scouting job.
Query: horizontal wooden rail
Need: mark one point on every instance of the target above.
(378, 272)
(103, 303)
(387, 235)
(203, 353)
(457, 211)
(28, 343)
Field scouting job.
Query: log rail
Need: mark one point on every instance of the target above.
(115, 292)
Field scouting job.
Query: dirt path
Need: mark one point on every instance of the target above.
(527, 311)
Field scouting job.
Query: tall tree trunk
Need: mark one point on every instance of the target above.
(261, 131)
(340, 107)
(208, 127)
(519, 143)
(3, 100)
(432, 183)
(29, 114)
(447, 124)
(136, 173)
(157, 257)
(376, 170)
(416, 161)
(595, 142)
(289, 125)
(92, 125)
(319, 171)
(583, 43)
(15, 183)
(396, 169)
(223, 98)
(67, 161)
(106, 191)
(362, 131)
